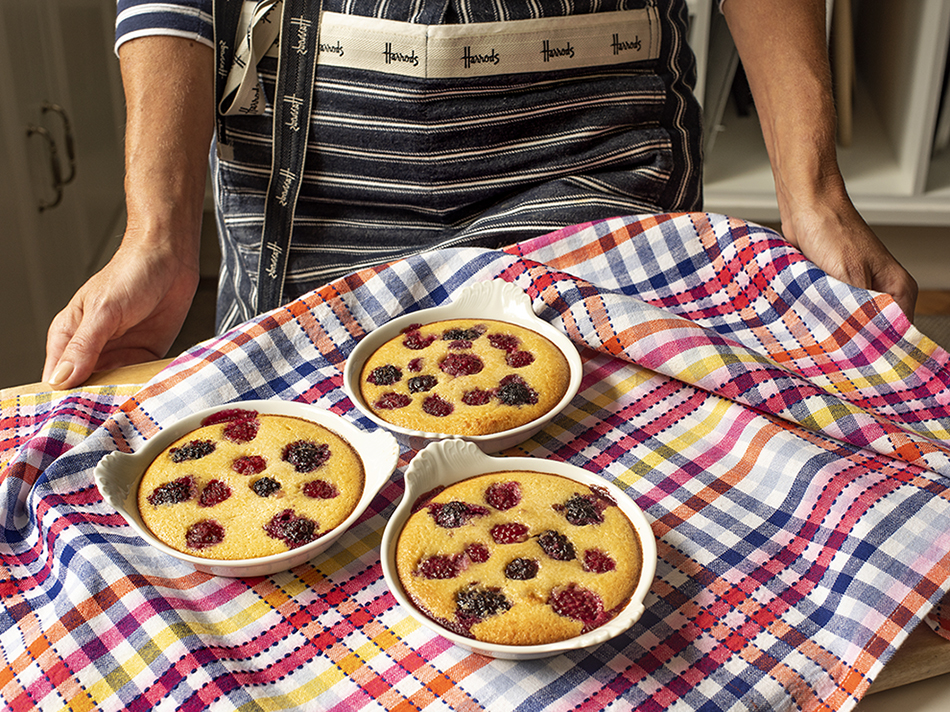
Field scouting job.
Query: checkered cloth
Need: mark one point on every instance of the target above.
(787, 436)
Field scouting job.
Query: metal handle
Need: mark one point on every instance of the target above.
(54, 166)
(68, 138)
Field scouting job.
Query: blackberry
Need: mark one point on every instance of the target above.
(480, 603)
(174, 492)
(514, 391)
(194, 450)
(392, 401)
(294, 531)
(305, 455)
(503, 495)
(437, 406)
(265, 486)
(455, 514)
(215, 492)
(509, 533)
(320, 489)
(249, 465)
(204, 534)
(463, 334)
(461, 364)
(556, 545)
(582, 510)
(384, 375)
(521, 569)
(422, 383)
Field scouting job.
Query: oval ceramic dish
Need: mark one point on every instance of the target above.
(498, 300)
(117, 476)
(450, 461)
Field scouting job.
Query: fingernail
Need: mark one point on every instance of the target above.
(63, 371)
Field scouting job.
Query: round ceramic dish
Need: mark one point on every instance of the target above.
(498, 300)
(117, 476)
(450, 461)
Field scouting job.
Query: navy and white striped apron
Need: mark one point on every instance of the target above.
(397, 164)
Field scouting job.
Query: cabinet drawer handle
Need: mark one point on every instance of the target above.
(54, 166)
(68, 137)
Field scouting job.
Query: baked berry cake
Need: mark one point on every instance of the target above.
(245, 485)
(464, 377)
(518, 558)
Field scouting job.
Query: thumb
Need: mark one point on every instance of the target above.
(72, 356)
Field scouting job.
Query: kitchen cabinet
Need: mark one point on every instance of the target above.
(61, 127)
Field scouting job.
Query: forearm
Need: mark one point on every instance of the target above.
(169, 103)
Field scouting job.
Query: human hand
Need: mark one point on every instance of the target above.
(129, 312)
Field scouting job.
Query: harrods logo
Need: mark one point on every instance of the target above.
(400, 57)
(275, 252)
(331, 49)
(547, 52)
(288, 178)
(253, 106)
(625, 45)
(469, 59)
(293, 106)
(303, 30)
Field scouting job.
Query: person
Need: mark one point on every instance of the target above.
(398, 164)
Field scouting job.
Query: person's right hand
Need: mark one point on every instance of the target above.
(129, 312)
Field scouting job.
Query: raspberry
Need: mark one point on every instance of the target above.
(306, 456)
(521, 569)
(505, 342)
(392, 401)
(265, 486)
(474, 604)
(249, 465)
(204, 534)
(437, 406)
(384, 375)
(459, 345)
(477, 553)
(476, 397)
(215, 492)
(503, 495)
(514, 391)
(509, 533)
(416, 341)
(294, 531)
(242, 431)
(415, 365)
(461, 364)
(227, 415)
(422, 383)
(598, 562)
(556, 545)
(320, 489)
(194, 450)
(440, 567)
(455, 514)
(581, 510)
(463, 334)
(411, 327)
(174, 492)
(519, 359)
(578, 603)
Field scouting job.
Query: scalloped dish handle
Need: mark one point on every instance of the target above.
(495, 297)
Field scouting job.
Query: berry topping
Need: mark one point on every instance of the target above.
(477, 553)
(215, 492)
(437, 406)
(556, 545)
(415, 365)
(473, 604)
(598, 562)
(509, 533)
(505, 342)
(416, 341)
(411, 327)
(204, 534)
(454, 514)
(194, 450)
(384, 375)
(422, 383)
(440, 567)
(392, 401)
(227, 415)
(477, 397)
(265, 486)
(463, 334)
(242, 430)
(461, 364)
(249, 465)
(521, 569)
(581, 510)
(578, 603)
(519, 359)
(459, 345)
(503, 495)
(423, 499)
(306, 456)
(294, 531)
(174, 492)
(320, 489)
(514, 391)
